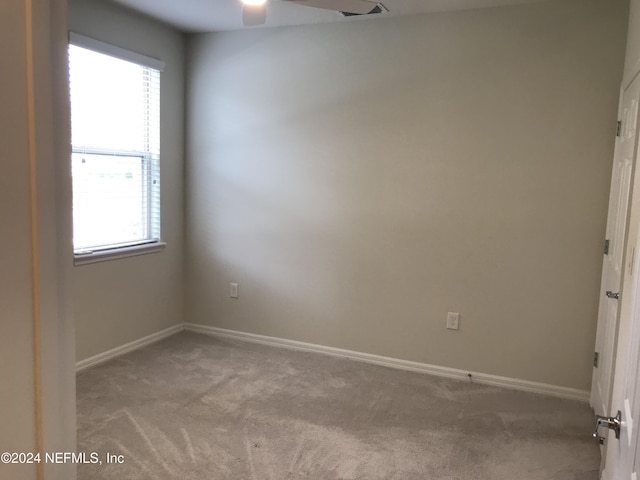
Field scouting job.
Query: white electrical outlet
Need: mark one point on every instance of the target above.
(233, 290)
(453, 321)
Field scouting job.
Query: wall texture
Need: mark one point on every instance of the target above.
(360, 180)
(123, 300)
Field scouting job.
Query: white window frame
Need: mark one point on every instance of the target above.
(121, 251)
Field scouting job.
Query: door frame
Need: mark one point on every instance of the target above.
(53, 332)
(602, 406)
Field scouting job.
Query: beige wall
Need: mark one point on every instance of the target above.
(123, 300)
(360, 180)
(36, 328)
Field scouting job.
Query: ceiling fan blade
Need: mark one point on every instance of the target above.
(253, 15)
(360, 7)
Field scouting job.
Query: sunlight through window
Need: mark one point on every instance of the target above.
(115, 123)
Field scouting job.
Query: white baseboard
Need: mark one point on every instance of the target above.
(127, 347)
(482, 378)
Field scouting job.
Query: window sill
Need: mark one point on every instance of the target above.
(117, 253)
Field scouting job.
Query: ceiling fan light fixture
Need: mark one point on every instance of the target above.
(254, 3)
(378, 8)
(254, 12)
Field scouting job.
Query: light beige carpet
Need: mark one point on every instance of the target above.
(196, 407)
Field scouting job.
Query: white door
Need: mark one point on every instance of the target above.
(614, 253)
(621, 453)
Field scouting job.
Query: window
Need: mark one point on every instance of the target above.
(115, 136)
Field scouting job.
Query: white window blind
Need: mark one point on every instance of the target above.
(115, 130)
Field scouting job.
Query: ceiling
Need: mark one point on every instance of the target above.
(219, 15)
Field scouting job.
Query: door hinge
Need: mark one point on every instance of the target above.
(606, 247)
(618, 128)
(596, 355)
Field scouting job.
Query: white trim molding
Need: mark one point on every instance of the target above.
(482, 378)
(117, 253)
(127, 347)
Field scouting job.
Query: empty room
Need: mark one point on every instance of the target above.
(319, 239)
